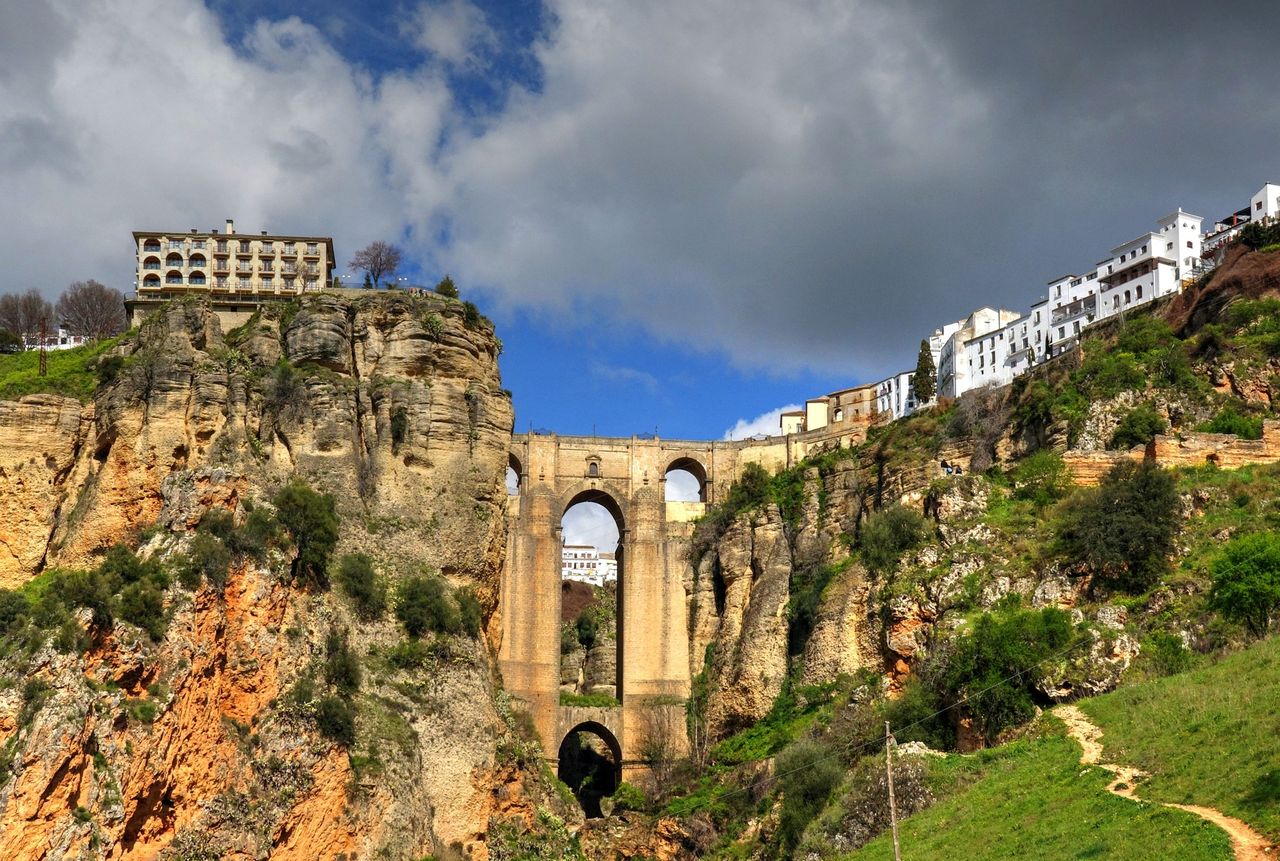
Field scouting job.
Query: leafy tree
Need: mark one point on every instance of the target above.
(1138, 426)
(377, 260)
(807, 775)
(311, 520)
(358, 579)
(447, 288)
(887, 534)
(423, 604)
(1246, 581)
(992, 670)
(1041, 478)
(22, 313)
(336, 720)
(1123, 529)
(208, 559)
(142, 604)
(1233, 422)
(91, 309)
(471, 315)
(586, 629)
(925, 382)
(14, 609)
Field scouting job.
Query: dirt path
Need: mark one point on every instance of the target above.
(1248, 844)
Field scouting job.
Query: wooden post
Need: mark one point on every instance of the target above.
(893, 808)
(44, 337)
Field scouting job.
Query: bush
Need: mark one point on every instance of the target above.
(887, 534)
(807, 775)
(217, 522)
(357, 578)
(208, 559)
(471, 317)
(1165, 654)
(1138, 426)
(399, 425)
(341, 666)
(992, 670)
(423, 604)
(311, 520)
(1041, 478)
(585, 627)
(1123, 530)
(87, 589)
(469, 612)
(628, 796)
(336, 720)
(408, 655)
(915, 716)
(142, 604)
(1230, 421)
(258, 532)
(1246, 581)
(14, 610)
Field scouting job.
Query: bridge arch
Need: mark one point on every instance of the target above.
(591, 774)
(692, 467)
(595, 496)
(515, 475)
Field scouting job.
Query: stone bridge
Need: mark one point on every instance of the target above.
(628, 478)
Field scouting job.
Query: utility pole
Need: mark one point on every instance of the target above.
(44, 337)
(893, 807)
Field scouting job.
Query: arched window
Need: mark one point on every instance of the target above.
(151, 245)
(593, 469)
(173, 277)
(514, 474)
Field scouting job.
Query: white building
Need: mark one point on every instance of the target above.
(1150, 266)
(1265, 205)
(584, 563)
(961, 364)
(895, 396)
(60, 340)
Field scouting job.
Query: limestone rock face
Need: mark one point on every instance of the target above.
(844, 638)
(193, 745)
(755, 565)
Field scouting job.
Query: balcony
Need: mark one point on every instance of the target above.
(173, 279)
(313, 251)
(244, 250)
(150, 265)
(289, 251)
(221, 266)
(221, 248)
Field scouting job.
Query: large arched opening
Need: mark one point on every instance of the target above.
(592, 566)
(686, 481)
(515, 475)
(590, 764)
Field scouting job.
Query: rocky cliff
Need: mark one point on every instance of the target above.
(197, 743)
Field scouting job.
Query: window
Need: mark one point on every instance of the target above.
(1258, 206)
(288, 248)
(1189, 243)
(1169, 247)
(1076, 324)
(593, 469)
(1139, 291)
(244, 246)
(1062, 332)
(312, 248)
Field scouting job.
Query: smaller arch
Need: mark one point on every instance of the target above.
(197, 260)
(151, 281)
(515, 475)
(151, 262)
(601, 498)
(173, 276)
(693, 468)
(590, 774)
(151, 245)
(174, 259)
(196, 278)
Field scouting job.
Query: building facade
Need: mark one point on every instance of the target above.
(170, 262)
(584, 563)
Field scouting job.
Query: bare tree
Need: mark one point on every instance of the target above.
(376, 260)
(22, 313)
(92, 309)
(661, 744)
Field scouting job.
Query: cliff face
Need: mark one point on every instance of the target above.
(193, 746)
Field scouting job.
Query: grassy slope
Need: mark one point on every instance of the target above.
(1033, 800)
(1209, 737)
(70, 372)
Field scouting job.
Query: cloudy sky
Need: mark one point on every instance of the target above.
(682, 215)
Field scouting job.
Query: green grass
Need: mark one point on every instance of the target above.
(70, 372)
(1209, 737)
(1034, 800)
(599, 701)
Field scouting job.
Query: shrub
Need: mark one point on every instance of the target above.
(887, 534)
(1228, 420)
(585, 627)
(399, 425)
(1041, 478)
(628, 796)
(357, 578)
(1246, 581)
(915, 716)
(207, 559)
(217, 522)
(87, 589)
(423, 604)
(341, 666)
(311, 520)
(469, 612)
(408, 655)
(121, 565)
(992, 670)
(285, 397)
(258, 532)
(336, 720)
(447, 288)
(14, 609)
(1138, 426)
(471, 315)
(807, 775)
(1165, 654)
(1123, 530)
(142, 604)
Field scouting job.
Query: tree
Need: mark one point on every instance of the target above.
(91, 309)
(925, 383)
(22, 314)
(1246, 581)
(1123, 529)
(376, 260)
(423, 605)
(447, 288)
(311, 519)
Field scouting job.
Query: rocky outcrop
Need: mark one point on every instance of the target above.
(194, 746)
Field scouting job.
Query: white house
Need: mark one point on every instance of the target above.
(60, 340)
(894, 395)
(1265, 205)
(1150, 266)
(961, 364)
(584, 563)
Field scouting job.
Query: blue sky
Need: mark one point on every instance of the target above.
(681, 215)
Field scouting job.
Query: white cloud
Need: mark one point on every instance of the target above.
(454, 31)
(765, 423)
(683, 486)
(625, 376)
(590, 523)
